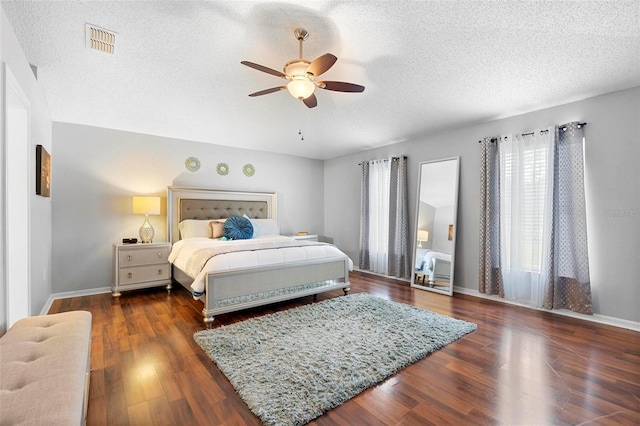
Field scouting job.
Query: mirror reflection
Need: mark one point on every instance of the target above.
(435, 228)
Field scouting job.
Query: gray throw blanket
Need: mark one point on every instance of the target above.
(201, 257)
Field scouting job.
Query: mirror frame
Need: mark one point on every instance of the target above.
(454, 221)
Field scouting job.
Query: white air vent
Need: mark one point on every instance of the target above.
(100, 38)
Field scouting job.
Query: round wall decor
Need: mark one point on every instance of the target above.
(192, 164)
(222, 169)
(248, 170)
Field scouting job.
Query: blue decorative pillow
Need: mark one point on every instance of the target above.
(238, 228)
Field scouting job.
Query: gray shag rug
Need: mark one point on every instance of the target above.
(292, 366)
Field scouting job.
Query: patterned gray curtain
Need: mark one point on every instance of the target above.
(569, 284)
(490, 273)
(363, 261)
(399, 257)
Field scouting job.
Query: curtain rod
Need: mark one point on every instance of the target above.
(386, 159)
(563, 127)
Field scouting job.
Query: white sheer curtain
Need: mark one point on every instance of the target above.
(379, 173)
(526, 191)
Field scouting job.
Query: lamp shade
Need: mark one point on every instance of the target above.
(423, 235)
(146, 205)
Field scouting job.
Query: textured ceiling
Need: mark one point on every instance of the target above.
(427, 66)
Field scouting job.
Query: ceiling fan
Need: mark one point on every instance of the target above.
(302, 73)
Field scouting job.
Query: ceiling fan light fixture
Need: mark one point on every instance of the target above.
(300, 87)
(301, 74)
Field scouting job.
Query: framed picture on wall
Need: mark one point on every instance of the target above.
(43, 171)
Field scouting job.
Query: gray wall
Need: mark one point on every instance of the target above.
(39, 208)
(97, 171)
(612, 167)
(426, 217)
(441, 222)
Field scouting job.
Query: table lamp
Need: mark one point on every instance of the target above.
(146, 206)
(422, 236)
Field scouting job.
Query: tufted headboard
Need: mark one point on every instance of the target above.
(221, 209)
(201, 203)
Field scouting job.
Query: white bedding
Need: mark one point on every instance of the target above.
(182, 250)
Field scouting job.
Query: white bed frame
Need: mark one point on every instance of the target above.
(332, 273)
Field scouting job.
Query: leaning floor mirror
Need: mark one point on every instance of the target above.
(435, 225)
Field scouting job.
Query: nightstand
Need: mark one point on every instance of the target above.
(308, 237)
(140, 266)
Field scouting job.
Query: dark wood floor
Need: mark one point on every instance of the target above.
(520, 367)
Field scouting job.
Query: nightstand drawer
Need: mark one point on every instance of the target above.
(141, 274)
(143, 256)
(138, 266)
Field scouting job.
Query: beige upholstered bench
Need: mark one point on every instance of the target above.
(44, 370)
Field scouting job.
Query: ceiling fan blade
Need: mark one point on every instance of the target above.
(321, 64)
(311, 101)
(340, 86)
(267, 91)
(263, 69)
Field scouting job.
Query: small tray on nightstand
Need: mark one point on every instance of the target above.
(307, 237)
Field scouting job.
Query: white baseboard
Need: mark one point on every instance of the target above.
(68, 294)
(597, 318)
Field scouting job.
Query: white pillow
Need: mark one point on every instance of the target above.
(265, 227)
(192, 228)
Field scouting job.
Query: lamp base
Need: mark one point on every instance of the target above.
(146, 231)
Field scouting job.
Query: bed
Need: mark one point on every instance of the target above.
(262, 270)
(433, 264)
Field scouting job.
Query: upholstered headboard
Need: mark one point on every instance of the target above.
(201, 203)
(221, 209)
